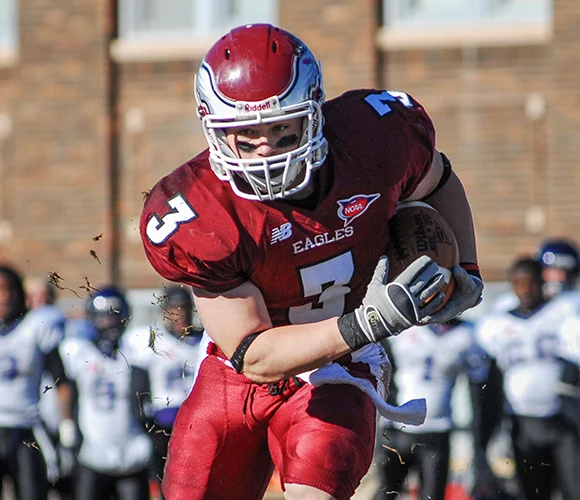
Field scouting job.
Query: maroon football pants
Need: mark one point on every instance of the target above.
(230, 432)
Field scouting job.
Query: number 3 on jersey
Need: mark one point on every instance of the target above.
(328, 282)
(159, 230)
(379, 102)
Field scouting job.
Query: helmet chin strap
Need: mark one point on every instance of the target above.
(303, 193)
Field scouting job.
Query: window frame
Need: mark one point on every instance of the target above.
(9, 33)
(481, 27)
(210, 22)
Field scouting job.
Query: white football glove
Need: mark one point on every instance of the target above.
(467, 294)
(390, 308)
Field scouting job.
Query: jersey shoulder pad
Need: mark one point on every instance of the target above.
(135, 345)
(385, 130)
(48, 327)
(567, 302)
(490, 329)
(72, 346)
(80, 328)
(49, 314)
(192, 230)
(75, 353)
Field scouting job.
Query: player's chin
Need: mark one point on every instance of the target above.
(259, 182)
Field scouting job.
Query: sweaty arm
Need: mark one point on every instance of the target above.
(443, 190)
(277, 353)
(449, 199)
(239, 323)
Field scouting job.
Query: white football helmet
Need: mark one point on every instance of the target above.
(261, 74)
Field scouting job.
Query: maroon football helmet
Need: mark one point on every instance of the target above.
(261, 74)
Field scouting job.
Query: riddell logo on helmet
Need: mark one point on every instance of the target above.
(266, 106)
(261, 106)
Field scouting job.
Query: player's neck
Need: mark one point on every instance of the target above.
(529, 309)
(310, 197)
(8, 324)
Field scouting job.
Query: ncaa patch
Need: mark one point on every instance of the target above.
(355, 206)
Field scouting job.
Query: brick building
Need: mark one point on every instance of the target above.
(96, 104)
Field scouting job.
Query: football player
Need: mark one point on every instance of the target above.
(427, 360)
(29, 342)
(42, 294)
(115, 449)
(169, 355)
(560, 262)
(278, 227)
(530, 357)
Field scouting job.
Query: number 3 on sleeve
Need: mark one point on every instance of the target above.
(159, 230)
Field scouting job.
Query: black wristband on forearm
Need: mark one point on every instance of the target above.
(237, 359)
(352, 332)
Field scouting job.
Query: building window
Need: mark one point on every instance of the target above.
(450, 12)
(418, 24)
(8, 29)
(151, 20)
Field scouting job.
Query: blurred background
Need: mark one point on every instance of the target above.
(96, 104)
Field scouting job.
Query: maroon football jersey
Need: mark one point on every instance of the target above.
(309, 264)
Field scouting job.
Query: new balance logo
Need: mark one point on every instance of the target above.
(281, 233)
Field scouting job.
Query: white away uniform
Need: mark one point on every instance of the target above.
(23, 351)
(170, 362)
(22, 362)
(525, 349)
(427, 366)
(427, 362)
(114, 442)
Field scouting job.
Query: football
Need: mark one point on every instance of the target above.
(418, 229)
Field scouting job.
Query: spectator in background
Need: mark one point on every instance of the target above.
(29, 340)
(115, 449)
(170, 357)
(530, 360)
(42, 295)
(40, 292)
(426, 363)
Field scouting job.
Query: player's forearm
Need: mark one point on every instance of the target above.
(282, 352)
(451, 201)
(66, 399)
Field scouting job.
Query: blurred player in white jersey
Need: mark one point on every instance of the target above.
(529, 354)
(426, 363)
(42, 295)
(170, 356)
(28, 346)
(560, 261)
(115, 450)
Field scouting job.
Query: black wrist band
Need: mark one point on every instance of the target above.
(351, 332)
(237, 359)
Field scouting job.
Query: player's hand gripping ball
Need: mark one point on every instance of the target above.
(418, 229)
